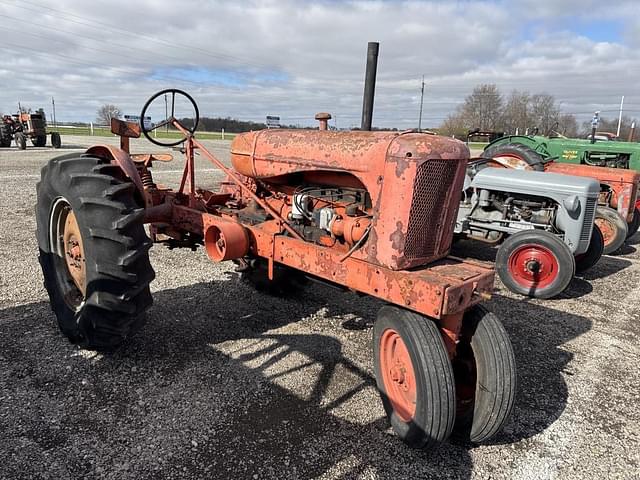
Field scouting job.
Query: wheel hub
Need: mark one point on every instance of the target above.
(74, 251)
(533, 266)
(398, 374)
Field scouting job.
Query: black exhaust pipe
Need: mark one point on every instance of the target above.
(369, 85)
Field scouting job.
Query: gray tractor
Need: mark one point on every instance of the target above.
(544, 223)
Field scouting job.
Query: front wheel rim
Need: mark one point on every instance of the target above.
(533, 266)
(398, 375)
(67, 249)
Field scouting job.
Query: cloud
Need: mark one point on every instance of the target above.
(292, 58)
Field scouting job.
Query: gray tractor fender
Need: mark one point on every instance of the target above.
(576, 198)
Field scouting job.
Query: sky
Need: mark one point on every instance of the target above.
(249, 59)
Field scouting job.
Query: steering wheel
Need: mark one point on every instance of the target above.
(170, 109)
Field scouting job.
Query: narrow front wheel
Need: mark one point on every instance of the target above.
(588, 259)
(485, 375)
(414, 377)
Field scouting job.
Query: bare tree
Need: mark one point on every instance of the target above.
(516, 114)
(482, 109)
(454, 126)
(106, 112)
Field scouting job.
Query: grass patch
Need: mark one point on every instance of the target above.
(105, 132)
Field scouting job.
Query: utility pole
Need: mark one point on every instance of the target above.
(620, 116)
(421, 102)
(53, 106)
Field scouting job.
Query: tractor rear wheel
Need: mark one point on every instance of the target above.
(485, 373)
(517, 151)
(21, 140)
(613, 228)
(56, 142)
(414, 376)
(93, 250)
(286, 281)
(634, 224)
(39, 141)
(588, 259)
(5, 136)
(535, 263)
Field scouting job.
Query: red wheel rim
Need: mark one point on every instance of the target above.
(398, 375)
(533, 266)
(607, 228)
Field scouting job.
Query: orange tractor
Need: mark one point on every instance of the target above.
(372, 212)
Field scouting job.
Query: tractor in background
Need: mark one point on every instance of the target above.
(542, 222)
(27, 125)
(616, 165)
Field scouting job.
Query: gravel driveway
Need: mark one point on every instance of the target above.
(224, 382)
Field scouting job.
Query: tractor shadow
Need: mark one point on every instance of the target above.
(538, 333)
(255, 400)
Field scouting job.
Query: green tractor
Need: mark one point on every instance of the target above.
(573, 150)
(616, 165)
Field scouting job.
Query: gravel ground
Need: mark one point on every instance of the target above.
(224, 382)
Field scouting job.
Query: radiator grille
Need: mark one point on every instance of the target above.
(589, 215)
(428, 207)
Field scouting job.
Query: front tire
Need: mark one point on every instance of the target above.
(485, 372)
(535, 263)
(21, 140)
(93, 250)
(56, 141)
(613, 228)
(588, 259)
(632, 227)
(414, 377)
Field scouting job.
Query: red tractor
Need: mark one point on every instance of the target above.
(372, 212)
(26, 125)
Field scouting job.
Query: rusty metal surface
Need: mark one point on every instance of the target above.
(74, 252)
(386, 164)
(446, 287)
(121, 158)
(125, 129)
(623, 183)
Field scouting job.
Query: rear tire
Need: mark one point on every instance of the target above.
(519, 151)
(485, 373)
(535, 263)
(414, 377)
(5, 136)
(21, 140)
(588, 259)
(39, 141)
(613, 228)
(632, 227)
(101, 297)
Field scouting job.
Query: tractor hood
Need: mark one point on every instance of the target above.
(602, 174)
(541, 184)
